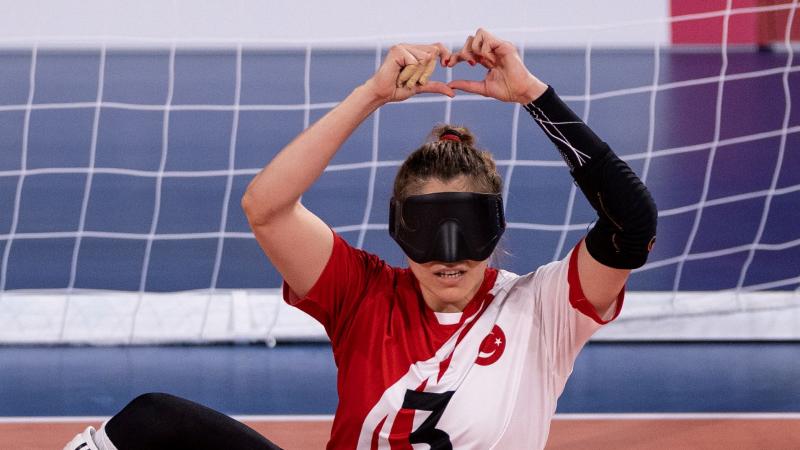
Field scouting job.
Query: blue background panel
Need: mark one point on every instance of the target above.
(199, 140)
(16, 77)
(244, 266)
(382, 194)
(404, 127)
(110, 264)
(121, 203)
(66, 77)
(339, 197)
(45, 209)
(8, 190)
(39, 263)
(130, 139)
(131, 130)
(262, 134)
(237, 222)
(672, 236)
(204, 77)
(728, 225)
(621, 69)
(335, 73)
(538, 195)
(358, 148)
(685, 116)
(138, 77)
(481, 117)
(783, 219)
(563, 68)
(766, 268)
(742, 102)
(789, 175)
(677, 180)
(12, 124)
(743, 168)
(677, 65)
(653, 279)
(273, 77)
(60, 138)
(712, 274)
(604, 118)
(191, 204)
(195, 257)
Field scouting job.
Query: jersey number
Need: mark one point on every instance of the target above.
(427, 433)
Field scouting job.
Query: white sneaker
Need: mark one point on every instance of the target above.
(83, 441)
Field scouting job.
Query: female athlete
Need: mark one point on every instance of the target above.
(448, 352)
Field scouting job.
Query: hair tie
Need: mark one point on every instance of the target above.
(450, 135)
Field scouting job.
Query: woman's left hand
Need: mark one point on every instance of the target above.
(507, 80)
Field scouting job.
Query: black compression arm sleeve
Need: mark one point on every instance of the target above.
(626, 227)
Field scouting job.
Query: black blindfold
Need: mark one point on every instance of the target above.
(447, 226)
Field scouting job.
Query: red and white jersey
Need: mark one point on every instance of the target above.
(407, 381)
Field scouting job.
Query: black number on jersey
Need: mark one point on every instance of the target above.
(427, 433)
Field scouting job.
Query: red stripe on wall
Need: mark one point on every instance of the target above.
(753, 28)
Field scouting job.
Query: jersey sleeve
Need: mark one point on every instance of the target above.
(340, 288)
(568, 320)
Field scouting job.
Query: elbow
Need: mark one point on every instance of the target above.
(254, 209)
(260, 211)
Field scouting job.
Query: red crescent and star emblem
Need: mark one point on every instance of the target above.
(492, 347)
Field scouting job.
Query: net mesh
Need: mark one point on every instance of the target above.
(121, 172)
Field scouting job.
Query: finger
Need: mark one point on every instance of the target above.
(419, 69)
(401, 55)
(426, 74)
(405, 74)
(486, 62)
(481, 47)
(444, 53)
(437, 87)
(491, 44)
(465, 54)
(419, 52)
(475, 45)
(473, 87)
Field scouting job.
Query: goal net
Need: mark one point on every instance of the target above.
(123, 160)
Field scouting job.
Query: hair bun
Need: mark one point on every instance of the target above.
(451, 133)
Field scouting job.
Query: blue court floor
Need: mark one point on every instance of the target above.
(301, 378)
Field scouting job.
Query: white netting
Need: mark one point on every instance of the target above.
(680, 296)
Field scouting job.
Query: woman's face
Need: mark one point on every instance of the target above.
(448, 286)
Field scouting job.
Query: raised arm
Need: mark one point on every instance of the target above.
(296, 241)
(625, 230)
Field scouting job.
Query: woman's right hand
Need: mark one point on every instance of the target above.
(384, 84)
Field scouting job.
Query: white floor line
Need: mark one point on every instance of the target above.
(680, 416)
(323, 417)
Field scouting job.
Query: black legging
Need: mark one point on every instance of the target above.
(162, 421)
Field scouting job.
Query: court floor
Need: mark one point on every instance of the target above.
(567, 433)
(621, 395)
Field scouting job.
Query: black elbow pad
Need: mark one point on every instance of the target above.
(626, 227)
(625, 231)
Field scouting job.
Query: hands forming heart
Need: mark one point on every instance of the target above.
(407, 68)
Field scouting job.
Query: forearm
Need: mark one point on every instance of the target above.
(279, 186)
(627, 216)
(576, 142)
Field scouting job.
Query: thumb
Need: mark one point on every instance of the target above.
(474, 87)
(436, 87)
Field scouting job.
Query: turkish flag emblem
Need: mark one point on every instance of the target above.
(492, 347)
